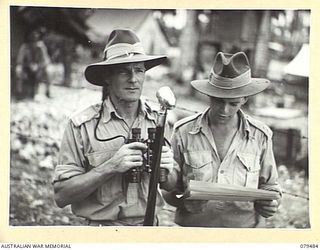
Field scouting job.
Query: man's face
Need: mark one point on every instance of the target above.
(126, 81)
(223, 110)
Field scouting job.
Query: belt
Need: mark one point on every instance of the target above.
(126, 222)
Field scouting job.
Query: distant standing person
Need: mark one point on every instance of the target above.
(31, 69)
(224, 145)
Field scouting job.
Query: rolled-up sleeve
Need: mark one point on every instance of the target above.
(71, 159)
(269, 175)
(175, 142)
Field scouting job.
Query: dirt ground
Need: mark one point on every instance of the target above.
(36, 131)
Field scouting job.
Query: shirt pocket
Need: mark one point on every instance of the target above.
(199, 165)
(248, 170)
(111, 190)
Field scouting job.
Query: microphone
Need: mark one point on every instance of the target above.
(166, 98)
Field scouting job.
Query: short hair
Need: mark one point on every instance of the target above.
(105, 91)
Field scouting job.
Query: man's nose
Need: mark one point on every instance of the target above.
(132, 76)
(225, 108)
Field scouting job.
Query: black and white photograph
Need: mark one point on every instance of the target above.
(159, 117)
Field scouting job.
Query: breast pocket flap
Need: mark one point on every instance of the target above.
(198, 159)
(97, 158)
(249, 161)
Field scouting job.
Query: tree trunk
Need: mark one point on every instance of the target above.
(261, 58)
(189, 40)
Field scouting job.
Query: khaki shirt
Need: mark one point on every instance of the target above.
(115, 200)
(249, 162)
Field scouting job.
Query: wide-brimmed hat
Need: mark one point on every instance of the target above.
(123, 46)
(230, 77)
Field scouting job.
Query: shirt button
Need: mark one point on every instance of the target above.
(221, 171)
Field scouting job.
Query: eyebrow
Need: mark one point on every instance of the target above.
(128, 67)
(222, 100)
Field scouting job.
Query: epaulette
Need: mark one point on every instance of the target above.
(86, 114)
(260, 125)
(186, 120)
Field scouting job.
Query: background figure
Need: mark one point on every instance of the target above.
(32, 63)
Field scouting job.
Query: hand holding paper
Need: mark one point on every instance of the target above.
(266, 208)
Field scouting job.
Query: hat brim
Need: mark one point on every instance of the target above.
(256, 86)
(93, 71)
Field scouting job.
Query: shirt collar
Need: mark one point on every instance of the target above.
(109, 111)
(203, 121)
(146, 110)
(244, 124)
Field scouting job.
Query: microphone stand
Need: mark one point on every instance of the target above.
(167, 101)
